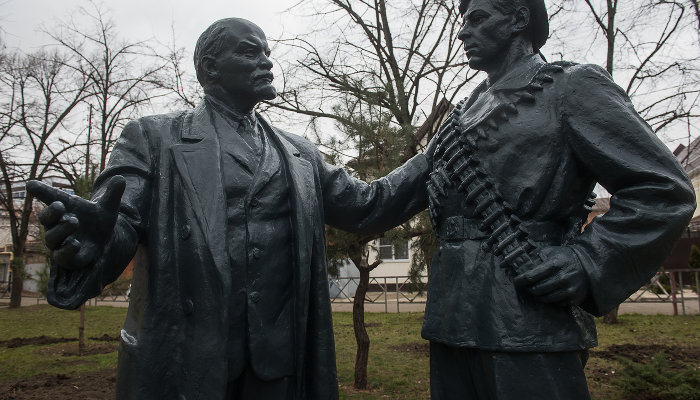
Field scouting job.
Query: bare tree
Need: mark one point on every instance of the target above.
(386, 68)
(123, 74)
(39, 92)
(176, 78)
(695, 5)
(377, 69)
(648, 53)
(379, 145)
(404, 58)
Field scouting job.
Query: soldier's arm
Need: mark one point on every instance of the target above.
(652, 197)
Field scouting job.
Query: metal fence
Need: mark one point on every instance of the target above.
(5, 289)
(389, 291)
(677, 287)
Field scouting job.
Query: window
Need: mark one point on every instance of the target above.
(393, 251)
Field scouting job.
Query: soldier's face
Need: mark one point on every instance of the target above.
(244, 67)
(486, 34)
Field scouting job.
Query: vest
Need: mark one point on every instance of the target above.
(259, 244)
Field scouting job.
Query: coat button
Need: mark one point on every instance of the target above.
(187, 307)
(256, 253)
(254, 297)
(255, 203)
(185, 232)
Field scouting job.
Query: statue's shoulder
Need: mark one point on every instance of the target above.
(305, 146)
(576, 72)
(157, 122)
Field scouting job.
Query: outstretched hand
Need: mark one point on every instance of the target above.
(559, 279)
(429, 151)
(77, 229)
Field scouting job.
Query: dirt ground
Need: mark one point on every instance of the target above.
(94, 385)
(100, 385)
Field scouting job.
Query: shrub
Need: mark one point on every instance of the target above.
(657, 381)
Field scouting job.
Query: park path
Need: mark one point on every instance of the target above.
(692, 306)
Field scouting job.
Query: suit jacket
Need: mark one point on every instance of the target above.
(572, 126)
(173, 219)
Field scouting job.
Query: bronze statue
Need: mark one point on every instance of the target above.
(514, 282)
(225, 214)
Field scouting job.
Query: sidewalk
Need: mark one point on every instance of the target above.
(692, 306)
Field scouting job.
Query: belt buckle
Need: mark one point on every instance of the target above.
(453, 228)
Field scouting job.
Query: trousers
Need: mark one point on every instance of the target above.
(249, 387)
(458, 373)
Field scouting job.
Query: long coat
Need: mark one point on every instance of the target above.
(173, 217)
(544, 134)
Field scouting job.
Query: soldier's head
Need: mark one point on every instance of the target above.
(491, 26)
(232, 60)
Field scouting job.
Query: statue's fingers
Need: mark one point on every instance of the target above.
(47, 194)
(562, 296)
(547, 286)
(50, 215)
(538, 273)
(60, 232)
(65, 255)
(112, 196)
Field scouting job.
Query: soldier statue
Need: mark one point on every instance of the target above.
(514, 283)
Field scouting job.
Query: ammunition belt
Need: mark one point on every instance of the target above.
(455, 165)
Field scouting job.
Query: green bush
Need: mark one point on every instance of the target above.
(42, 280)
(657, 381)
(694, 259)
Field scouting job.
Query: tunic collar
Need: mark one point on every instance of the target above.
(521, 74)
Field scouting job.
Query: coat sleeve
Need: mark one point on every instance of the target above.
(131, 159)
(652, 198)
(356, 206)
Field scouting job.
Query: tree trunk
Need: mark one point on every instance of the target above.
(361, 337)
(17, 280)
(610, 36)
(611, 317)
(81, 331)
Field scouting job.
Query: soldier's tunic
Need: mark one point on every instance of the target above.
(515, 165)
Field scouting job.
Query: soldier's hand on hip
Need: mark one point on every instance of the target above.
(77, 229)
(559, 279)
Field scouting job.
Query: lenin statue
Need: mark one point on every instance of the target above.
(224, 215)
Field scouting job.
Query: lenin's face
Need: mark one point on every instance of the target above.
(486, 34)
(244, 67)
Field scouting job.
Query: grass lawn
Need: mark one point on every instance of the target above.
(641, 350)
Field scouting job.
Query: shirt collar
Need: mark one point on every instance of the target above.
(227, 112)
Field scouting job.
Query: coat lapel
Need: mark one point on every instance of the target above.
(269, 165)
(301, 184)
(198, 161)
(242, 153)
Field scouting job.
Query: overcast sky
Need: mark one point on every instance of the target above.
(144, 19)
(22, 21)
(136, 20)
